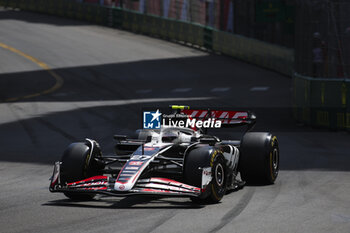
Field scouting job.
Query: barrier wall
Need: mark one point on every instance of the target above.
(322, 102)
(260, 53)
(250, 50)
(317, 102)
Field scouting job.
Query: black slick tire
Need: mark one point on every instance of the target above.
(259, 158)
(200, 158)
(77, 165)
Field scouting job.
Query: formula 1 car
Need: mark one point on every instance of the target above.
(171, 161)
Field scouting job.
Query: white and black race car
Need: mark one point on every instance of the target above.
(172, 161)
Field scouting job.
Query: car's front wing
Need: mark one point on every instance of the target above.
(106, 185)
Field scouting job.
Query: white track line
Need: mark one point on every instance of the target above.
(186, 89)
(42, 109)
(220, 89)
(262, 88)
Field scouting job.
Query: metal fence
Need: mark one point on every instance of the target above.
(319, 30)
(267, 20)
(322, 45)
(124, 15)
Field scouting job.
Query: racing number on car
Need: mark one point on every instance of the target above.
(135, 163)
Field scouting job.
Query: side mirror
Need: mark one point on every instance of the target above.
(149, 139)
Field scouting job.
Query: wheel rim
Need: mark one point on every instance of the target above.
(219, 175)
(275, 159)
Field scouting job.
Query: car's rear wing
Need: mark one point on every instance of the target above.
(228, 118)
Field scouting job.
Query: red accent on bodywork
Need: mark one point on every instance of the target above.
(133, 180)
(135, 163)
(157, 191)
(96, 188)
(149, 148)
(121, 173)
(94, 178)
(53, 183)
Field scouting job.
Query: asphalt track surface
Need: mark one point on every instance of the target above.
(109, 75)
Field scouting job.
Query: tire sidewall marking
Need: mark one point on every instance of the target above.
(86, 166)
(273, 173)
(214, 157)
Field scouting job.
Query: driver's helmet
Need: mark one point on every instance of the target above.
(177, 135)
(170, 136)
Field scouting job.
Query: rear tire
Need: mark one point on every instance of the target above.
(77, 164)
(259, 158)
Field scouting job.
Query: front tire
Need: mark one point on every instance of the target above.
(259, 158)
(78, 164)
(199, 158)
(218, 184)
